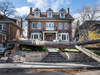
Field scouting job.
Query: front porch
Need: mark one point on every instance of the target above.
(50, 35)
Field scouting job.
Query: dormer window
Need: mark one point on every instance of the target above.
(37, 12)
(49, 12)
(62, 13)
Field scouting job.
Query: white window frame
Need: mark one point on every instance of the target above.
(37, 34)
(5, 37)
(67, 35)
(38, 14)
(37, 25)
(61, 26)
(32, 25)
(63, 16)
(49, 28)
(3, 26)
(49, 15)
(67, 25)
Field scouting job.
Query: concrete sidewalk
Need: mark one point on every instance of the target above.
(40, 65)
(89, 73)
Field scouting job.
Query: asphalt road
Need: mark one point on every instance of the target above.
(29, 73)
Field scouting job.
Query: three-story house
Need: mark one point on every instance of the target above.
(49, 25)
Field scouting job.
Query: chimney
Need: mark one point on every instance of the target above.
(30, 10)
(21, 33)
(21, 22)
(68, 11)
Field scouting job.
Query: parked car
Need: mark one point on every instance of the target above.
(1, 46)
(6, 50)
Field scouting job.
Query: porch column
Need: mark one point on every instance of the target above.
(43, 36)
(56, 35)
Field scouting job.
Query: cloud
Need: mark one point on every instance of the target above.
(23, 10)
(45, 4)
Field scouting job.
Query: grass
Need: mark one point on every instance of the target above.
(95, 51)
(69, 50)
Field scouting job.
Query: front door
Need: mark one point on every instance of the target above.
(49, 38)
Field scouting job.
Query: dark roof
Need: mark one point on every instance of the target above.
(91, 25)
(5, 19)
(43, 16)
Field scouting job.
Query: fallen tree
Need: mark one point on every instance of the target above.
(60, 45)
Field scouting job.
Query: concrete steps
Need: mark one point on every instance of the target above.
(54, 57)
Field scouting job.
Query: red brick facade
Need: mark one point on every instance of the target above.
(55, 19)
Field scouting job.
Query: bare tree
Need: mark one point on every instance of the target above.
(7, 8)
(89, 12)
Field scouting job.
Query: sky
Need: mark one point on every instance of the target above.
(23, 6)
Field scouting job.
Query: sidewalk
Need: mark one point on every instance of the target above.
(40, 65)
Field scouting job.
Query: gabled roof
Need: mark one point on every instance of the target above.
(62, 10)
(5, 19)
(49, 10)
(37, 10)
(91, 25)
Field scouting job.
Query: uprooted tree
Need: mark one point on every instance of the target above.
(89, 12)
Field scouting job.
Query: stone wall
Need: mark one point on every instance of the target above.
(26, 56)
(76, 57)
(73, 56)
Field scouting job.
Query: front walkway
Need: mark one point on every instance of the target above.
(50, 49)
(39, 65)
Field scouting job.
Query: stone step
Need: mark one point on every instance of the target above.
(54, 61)
(54, 57)
(53, 52)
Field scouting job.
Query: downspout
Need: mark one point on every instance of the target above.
(29, 30)
(9, 31)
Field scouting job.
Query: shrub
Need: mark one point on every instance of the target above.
(33, 48)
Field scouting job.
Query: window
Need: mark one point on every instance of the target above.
(37, 14)
(33, 25)
(66, 26)
(63, 37)
(62, 14)
(49, 26)
(3, 38)
(35, 35)
(49, 14)
(2, 26)
(60, 25)
(39, 25)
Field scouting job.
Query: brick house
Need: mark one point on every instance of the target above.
(9, 28)
(50, 25)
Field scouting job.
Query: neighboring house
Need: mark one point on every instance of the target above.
(84, 28)
(50, 25)
(9, 28)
